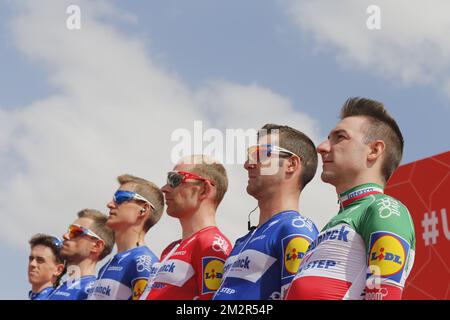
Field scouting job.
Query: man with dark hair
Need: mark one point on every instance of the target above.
(367, 250)
(136, 207)
(87, 241)
(45, 265)
(264, 262)
(192, 267)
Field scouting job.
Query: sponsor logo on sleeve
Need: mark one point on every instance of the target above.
(138, 288)
(220, 244)
(294, 251)
(143, 263)
(388, 252)
(212, 268)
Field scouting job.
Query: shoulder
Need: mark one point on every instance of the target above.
(140, 261)
(387, 215)
(213, 241)
(295, 224)
(387, 212)
(144, 253)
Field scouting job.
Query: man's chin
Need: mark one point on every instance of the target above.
(327, 177)
(252, 190)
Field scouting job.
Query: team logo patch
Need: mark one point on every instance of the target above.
(212, 273)
(294, 251)
(388, 252)
(138, 288)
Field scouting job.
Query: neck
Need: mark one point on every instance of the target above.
(358, 192)
(274, 203)
(357, 181)
(86, 267)
(128, 238)
(202, 218)
(39, 287)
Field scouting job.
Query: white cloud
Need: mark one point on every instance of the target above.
(113, 112)
(411, 47)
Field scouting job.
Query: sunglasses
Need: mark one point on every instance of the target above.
(122, 196)
(75, 231)
(175, 178)
(263, 152)
(57, 242)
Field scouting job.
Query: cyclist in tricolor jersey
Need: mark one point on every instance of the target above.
(367, 250)
(264, 262)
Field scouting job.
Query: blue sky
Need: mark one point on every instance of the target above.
(179, 61)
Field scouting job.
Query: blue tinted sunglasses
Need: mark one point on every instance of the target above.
(57, 242)
(122, 196)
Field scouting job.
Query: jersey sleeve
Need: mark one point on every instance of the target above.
(140, 273)
(388, 233)
(289, 247)
(208, 260)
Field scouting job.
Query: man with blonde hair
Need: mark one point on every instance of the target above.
(136, 207)
(192, 267)
(87, 241)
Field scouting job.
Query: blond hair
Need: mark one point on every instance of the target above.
(149, 191)
(209, 168)
(100, 228)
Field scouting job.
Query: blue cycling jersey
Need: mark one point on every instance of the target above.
(77, 289)
(125, 276)
(263, 263)
(41, 295)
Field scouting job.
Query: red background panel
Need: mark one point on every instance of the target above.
(424, 187)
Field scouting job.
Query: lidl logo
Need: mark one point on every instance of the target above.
(139, 288)
(294, 253)
(212, 273)
(388, 253)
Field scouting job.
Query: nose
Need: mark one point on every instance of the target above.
(66, 236)
(324, 147)
(111, 204)
(165, 189)
(32, 263)
(248, 165)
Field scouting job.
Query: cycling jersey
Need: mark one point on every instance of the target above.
(365, 252)
(125, 276)
(41, 295)
(264, 262)
(190, 269)
(77, 289)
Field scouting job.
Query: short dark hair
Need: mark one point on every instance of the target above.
(149, 191)
(100, 228)
(47, 241)
(300, 144)
(55, 245)
(381, 126)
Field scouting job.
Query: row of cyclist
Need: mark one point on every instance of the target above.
(366, 251)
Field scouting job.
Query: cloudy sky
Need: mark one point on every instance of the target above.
(80, 107)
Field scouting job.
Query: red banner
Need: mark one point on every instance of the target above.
(424, 187)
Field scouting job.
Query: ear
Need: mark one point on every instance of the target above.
(205, 190)
(377, 148)
(293, 164)
(144, 210)
(98, 247)
(59, 269)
